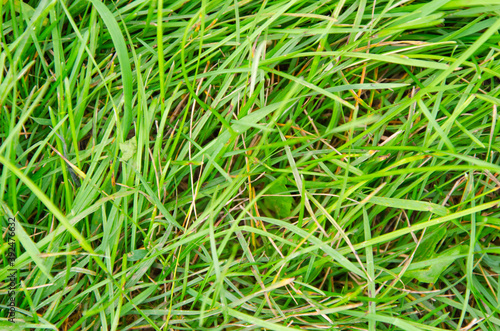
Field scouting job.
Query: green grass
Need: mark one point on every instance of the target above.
(248, 165)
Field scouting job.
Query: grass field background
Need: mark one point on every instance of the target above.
(251, 165)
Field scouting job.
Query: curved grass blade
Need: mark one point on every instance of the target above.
(123, 58)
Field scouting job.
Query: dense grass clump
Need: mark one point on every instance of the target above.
(250, 165)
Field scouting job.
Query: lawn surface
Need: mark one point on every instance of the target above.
(250, 165)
